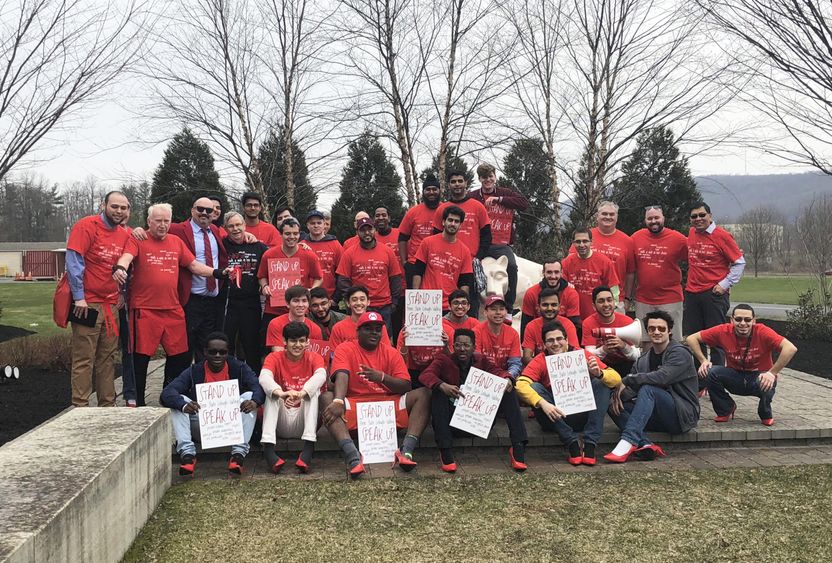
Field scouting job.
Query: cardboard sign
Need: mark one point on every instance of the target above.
(476, 411)
(377, 438)
(220, 423)
(571, 385)
(283, 274)
(423, 317)
(320, 347)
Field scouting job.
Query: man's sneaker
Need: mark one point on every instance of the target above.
(187, 465)
(131, 404)
(235, 464)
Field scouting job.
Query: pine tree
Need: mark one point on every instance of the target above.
(585, 199)
(273, 168)
(186, 173)
(454, 163)
(369, 180)
(655, 174)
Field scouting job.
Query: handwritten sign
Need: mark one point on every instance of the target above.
(320, 347)
(476, 411)
(571, 386)
(377, 438)
(283, 274)
(423, 317)
(219, 413)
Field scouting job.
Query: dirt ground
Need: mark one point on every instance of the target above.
(813, 356)
(34, 398)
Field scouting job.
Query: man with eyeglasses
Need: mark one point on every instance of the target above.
(180, 397)
(659, 394)
(253, 210)
(715, 264)
(750, 372)
(658, 251)
(587, 269)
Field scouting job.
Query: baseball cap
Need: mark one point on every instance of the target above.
(315, 213)
(496, 298)
(364, 221)
(369, 317)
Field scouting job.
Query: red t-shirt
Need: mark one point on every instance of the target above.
(657, 257)
(476, 217)
(758, 357)
(391, 241)
(418, 225)
(100, 247)
(420, 357)
(710, 257)
(310, 270)
(346, 330)
(450, 328)
(618, 247)
(372, 268)
(536, 370)
(292, 375)
(350, 242)
(588, 274)
(274, 332)
(533, 337)
(211, 377)
(500, 347)
(569, 300)
(329, 254)
(444, 263)
(594, 321)
(156, 271)
(266, 233)
(502, 220)
(350, 355)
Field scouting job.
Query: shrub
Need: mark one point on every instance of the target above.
(812, 319)
(51, 352)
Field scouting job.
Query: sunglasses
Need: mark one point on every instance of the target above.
(222, 352)
(698, 215)
(656, 329)
(200, 209)
(743, 319)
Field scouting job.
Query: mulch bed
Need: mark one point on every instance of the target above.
(37, 396)
(813, 356)
(9, 332)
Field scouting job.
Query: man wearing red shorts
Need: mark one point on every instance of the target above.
(371, 370)
(155, 310)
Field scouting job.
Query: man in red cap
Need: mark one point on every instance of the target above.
(497, 340)
(369, 370)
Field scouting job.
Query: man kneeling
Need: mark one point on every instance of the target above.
(180, 396)
(535, 388)
(292, 380)
(659, 395)
(369, 370)
(445, 375)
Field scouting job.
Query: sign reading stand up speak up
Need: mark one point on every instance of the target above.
(377, 438)
(475, 411)
(220, 423)
(571, 385)
(283, 274)
(423, 317)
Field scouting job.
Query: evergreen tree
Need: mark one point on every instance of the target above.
(138, 194)
(186, 173)
(454, 163)
(273, 168)
(370, 180)
(525, 171)
(655, 174)
(585, 199)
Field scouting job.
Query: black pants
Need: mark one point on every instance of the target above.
(242, 318)
(442, 410)
(174, 365)
(705, 310)
(202, 318)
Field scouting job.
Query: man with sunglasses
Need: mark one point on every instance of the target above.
(750, 371)
(658, 251)
(659, 394)
(715, 264)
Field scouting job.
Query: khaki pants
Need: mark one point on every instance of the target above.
(93, 352)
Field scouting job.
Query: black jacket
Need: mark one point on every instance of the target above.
(186, 382)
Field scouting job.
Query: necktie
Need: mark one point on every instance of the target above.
(209, 261)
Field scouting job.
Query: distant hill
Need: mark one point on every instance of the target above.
(730, 196)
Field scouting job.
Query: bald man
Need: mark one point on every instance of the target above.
(199, 294)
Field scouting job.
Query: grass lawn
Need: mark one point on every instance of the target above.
(28, 305)
(772, 514)
(771, 289)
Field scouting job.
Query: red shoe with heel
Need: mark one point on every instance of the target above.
(727, 417)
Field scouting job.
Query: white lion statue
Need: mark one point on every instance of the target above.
(528, 274)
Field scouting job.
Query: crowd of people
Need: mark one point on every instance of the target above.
(328, 331)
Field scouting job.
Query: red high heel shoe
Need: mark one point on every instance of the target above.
(767, 421)
(516, 465)
(449, 467)
(403, 461)
(358, 470)
(301, 465)
(649, 452)
(611, 457)
(727, 417)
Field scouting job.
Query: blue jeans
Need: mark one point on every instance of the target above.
(723, 380)
(186, 429)
(653, 410)
(128, 375)
(591, 423)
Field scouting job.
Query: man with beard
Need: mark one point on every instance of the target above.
(385, 234)
(615, 352)
(326, 247)
(587, 269)
(658, 251)
(445, 375)
(321, 313)
(570, 302)
(253, 209)
(242, 304)
(443, 261)
(548, 303)
(94, 246)
(417, 225)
